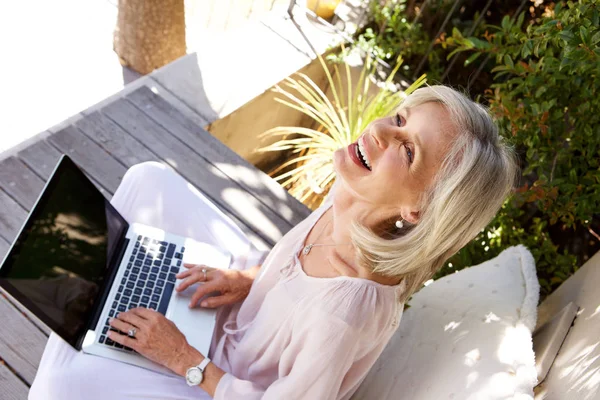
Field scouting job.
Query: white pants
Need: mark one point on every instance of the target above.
(155, 195)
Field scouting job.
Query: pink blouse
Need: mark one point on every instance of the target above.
(297, 336)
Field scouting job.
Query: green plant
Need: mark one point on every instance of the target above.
(390, 34)
(417, 29)
(340, 121)
(546, 97)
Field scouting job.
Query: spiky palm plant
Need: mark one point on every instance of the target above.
(308, 175)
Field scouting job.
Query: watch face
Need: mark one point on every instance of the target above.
(194, 376)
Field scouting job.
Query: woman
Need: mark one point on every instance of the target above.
(312, 320)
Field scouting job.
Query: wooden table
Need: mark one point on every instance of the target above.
(141, 126)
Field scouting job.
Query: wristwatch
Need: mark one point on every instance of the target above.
(195, 375)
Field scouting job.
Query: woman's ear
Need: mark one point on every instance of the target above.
(411, 217)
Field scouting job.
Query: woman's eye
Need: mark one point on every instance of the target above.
(399, 120)
(409, 153)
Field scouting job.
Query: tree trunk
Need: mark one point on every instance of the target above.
(149, 33)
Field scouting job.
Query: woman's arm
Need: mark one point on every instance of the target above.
(317, 359)
(159, 340)
(212, 373)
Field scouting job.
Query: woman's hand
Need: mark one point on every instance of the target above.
(233, 285)
(156, 338)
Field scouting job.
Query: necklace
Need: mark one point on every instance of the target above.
(309, 246)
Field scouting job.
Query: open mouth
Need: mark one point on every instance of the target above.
(360, 153)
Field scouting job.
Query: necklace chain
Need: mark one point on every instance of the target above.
(309, 246)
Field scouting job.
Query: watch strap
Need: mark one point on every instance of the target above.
(203, 364)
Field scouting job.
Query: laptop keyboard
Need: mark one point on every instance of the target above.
(149, 281)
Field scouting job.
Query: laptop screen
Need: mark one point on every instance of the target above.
(58, 266)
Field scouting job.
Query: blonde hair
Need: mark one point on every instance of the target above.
(475, 178)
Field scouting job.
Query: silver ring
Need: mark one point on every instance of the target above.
(132, 332)
(204, 272)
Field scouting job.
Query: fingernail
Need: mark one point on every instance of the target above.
(204, 303)
(111, 320)
(109, 334)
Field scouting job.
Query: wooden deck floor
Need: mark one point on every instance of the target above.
(105, 142)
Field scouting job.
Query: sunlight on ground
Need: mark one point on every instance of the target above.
(238, 200)
(171, 162)
(251, 178)
(248, 175)
(60, 59)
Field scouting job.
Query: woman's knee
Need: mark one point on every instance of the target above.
(150, 171)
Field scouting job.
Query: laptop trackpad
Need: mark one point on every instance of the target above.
(197, 324)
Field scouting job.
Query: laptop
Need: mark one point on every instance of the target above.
(76, 263)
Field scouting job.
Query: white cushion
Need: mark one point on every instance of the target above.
(466, 336)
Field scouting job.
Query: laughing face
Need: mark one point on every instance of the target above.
(395, 160)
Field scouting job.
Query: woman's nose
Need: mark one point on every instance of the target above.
(381, 133)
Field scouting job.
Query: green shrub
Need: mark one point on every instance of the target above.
(546, 98)
(406, 28)
(390, 33)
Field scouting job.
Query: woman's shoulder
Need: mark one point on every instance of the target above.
(357, 302)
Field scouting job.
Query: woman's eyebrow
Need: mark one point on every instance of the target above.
(419, 154)
(414, 137)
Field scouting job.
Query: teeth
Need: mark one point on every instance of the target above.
(361, 151)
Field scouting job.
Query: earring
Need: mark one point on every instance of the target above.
(399, 224)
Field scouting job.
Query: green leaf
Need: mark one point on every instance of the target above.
(455, 51)
(584, 33)
(457, 34)
(508, 61)
(558, 8)
(564, 63)
(472, 58)
(566, 35)
(536, 49)
(520, 20)
(505, 23)
(499, 68)
(573, 175)
(479, 44)
(502, 73)
(527, 49)
(541, 90)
